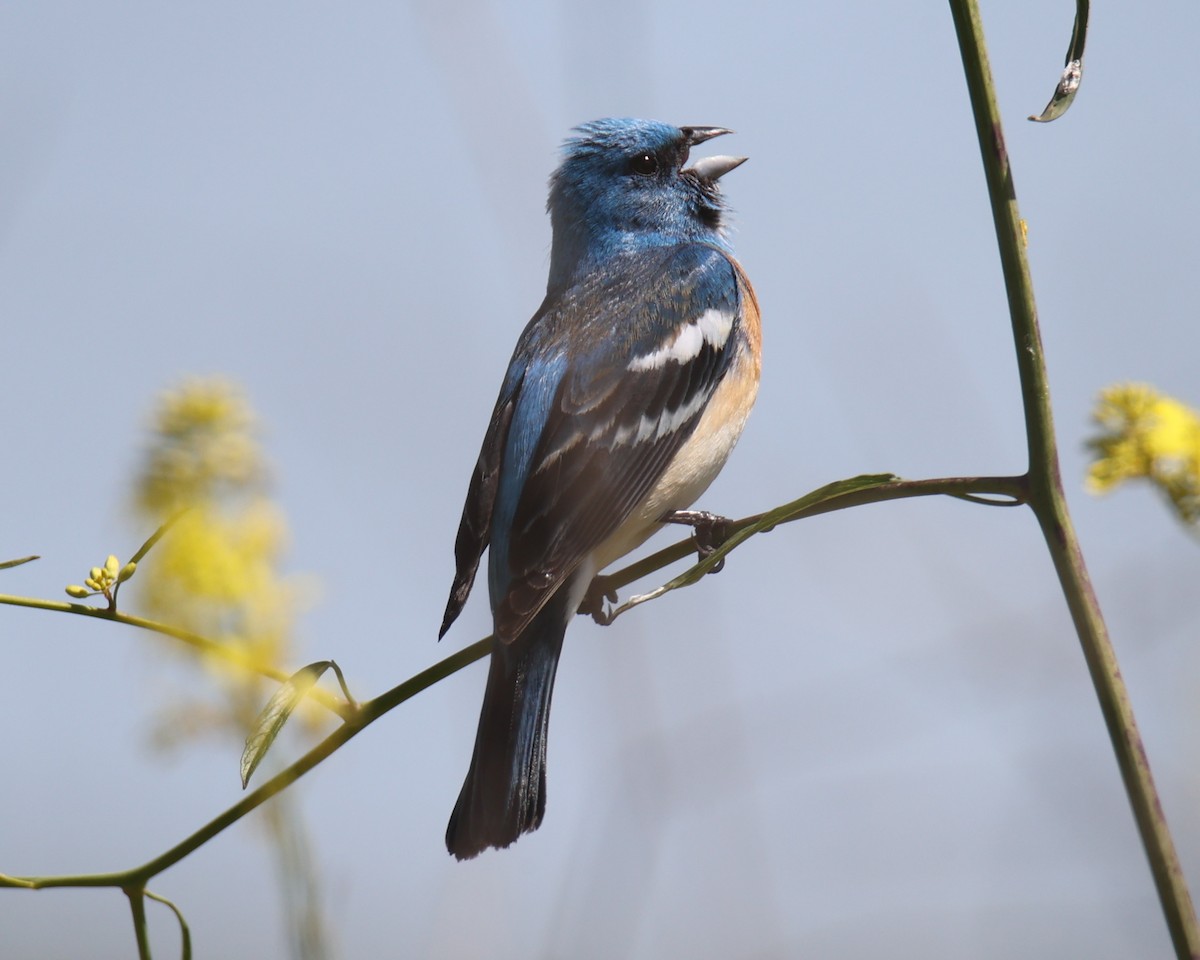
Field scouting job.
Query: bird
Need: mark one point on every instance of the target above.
(625, 395)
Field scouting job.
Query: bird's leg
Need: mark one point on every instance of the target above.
(709, 531)
(592, 604)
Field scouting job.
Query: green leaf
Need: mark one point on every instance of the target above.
(1068, 83)
(5, 564)
(275, 714)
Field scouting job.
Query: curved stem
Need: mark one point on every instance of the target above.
(1048, 501)
(185, 934)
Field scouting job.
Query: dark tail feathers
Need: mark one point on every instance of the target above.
(504, 794)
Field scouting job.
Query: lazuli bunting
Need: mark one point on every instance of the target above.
(623, 399)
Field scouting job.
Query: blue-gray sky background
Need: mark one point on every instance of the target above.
(873, 731)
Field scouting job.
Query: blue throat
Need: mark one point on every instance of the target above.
(581, 250)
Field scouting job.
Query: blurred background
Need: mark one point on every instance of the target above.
(873, 731)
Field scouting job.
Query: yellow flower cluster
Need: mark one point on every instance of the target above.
(216, 572)
(103, 580)
(1145, 434)
(203, 449)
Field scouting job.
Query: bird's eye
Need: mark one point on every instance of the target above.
(645, 164)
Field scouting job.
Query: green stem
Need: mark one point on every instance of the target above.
(137, 903)
(962, 487)
(973, 489)
(370, 711)
(1048, 501)
(367, 714)
(228, 652)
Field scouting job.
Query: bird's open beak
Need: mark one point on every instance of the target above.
(713, 168)
(697, 135)
(710, 168)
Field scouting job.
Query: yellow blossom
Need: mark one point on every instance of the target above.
(204, 449)
(1147, 435)
(216, 572)
(103, 580)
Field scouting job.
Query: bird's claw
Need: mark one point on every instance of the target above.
(709, 531)
(592, 605)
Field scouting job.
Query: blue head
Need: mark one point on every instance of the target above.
(622, 185)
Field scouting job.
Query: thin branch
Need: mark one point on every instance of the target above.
(835, 496)
(146, 547)
(137, 904)
(367, 714)
(227, 652)
(879, 488)
(1048, 500)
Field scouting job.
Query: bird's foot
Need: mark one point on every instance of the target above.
(709, 531)
(593, 603)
